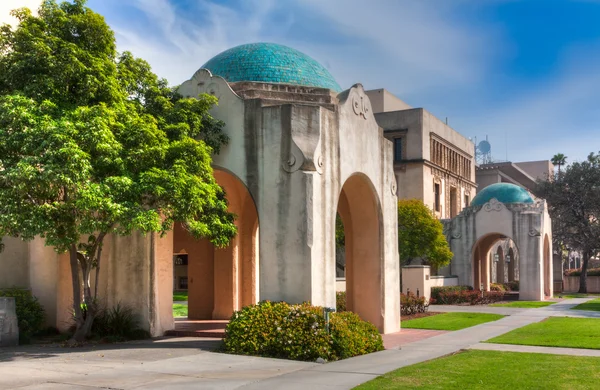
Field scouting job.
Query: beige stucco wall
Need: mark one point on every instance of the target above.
(383, 101)
(537, 169)
(14, 263)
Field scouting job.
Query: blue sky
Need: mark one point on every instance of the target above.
(525, 73)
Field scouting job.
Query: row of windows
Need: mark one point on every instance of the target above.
(447, 158)
(454, 198)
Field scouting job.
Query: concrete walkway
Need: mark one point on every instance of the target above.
(186, 364)
(534, 349)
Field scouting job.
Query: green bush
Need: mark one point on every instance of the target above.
(352, 336)
(436, 291)
(298, 332)
(30, 313)
(497, 287)
(411, 304)
(472, 297)
(118, 323)
(577, 272)
(340, 301)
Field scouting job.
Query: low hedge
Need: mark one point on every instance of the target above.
(436, 291)
(577, 272)
(411, 304)
(510, 286)
(30, 313)
(472, 297)
(298, 332)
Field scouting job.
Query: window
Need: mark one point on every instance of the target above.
(467, 200)
(183, 283)
(436, 191)
(453, 202)
(180, 260)
(397, 149)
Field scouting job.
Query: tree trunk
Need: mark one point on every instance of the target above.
(83, 331)
(583, 276)
(77, 312)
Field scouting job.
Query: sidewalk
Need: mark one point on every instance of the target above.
(187, 364)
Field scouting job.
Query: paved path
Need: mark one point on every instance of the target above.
(186, 364)
(534, 349)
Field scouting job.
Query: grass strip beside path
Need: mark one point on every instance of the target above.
(450, 321)
(180, 310)
(593, 305)
(180, 295)
(494, 370)
(563, 332)
(524, 304)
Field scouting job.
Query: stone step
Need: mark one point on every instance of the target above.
(214, 333)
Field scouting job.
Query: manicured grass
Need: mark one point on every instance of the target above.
(494, 370)
(571, 295)
(180, 295)
(589, 305)
(556, 332)
(524, 304)
(450, 321)
(180, 310)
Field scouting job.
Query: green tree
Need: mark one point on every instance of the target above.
(559, 160)
(421, 235)
(574, 204)
(92, 143)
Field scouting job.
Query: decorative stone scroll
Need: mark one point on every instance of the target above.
(493, 205)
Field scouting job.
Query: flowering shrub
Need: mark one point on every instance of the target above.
(298, 332)
(436, 291)
(472, 297)
(353, 336)
(410, 304)
(340, 301)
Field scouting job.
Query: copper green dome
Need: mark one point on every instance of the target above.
(502, 192)
(270, 63)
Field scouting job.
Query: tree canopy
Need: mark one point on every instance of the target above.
(573, 198)
(421, 235)
(93, 143)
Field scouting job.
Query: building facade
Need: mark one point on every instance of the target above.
(432, 161)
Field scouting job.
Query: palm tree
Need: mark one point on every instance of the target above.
(559, 160)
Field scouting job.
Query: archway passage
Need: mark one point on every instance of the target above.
(222, 280)
(494, 260)
(547, 271)
(361, 215)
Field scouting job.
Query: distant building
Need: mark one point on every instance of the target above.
(432, 161)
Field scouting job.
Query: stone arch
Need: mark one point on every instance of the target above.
(223, 280)
(547, 270)
(360, 211)
(482, 263)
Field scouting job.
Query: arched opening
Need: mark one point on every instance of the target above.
(547, 273)
(360, 213)
(494, 261)
(220, 281)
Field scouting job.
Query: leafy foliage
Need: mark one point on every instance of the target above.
(340, 301)
(574, 204)
(298, 332)
(119, 323)
(352, 336)
(510, 286)
(30, 313)
(411, 304)
(436, 291)
(93, 143)
(421, 235)
(472, 297)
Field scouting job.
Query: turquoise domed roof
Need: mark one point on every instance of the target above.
(502, 192)
(270, 63)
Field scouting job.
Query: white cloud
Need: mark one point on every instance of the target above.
(8, 5)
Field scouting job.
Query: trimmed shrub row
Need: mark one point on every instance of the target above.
(510, 286)
(30, 313)
(577, 272)
(436, 291)
(298, 332)
(472, 297)
(411, 304)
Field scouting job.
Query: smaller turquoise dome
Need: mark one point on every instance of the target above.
(502, 192)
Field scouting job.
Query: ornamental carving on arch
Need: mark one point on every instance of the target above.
(493, 205)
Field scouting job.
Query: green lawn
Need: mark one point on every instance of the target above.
(180, 310)
(180, 295)
(494, 370)
(589, 305)
(556, 332)
(524, 304)
(571, 295)
(450, 321)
